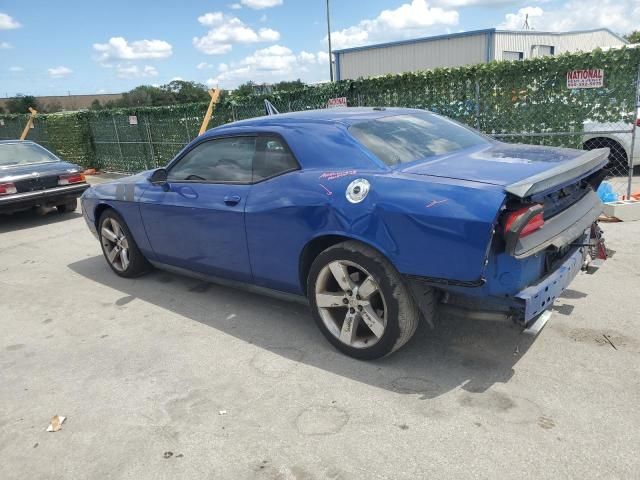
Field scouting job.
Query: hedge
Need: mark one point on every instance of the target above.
(523, 98)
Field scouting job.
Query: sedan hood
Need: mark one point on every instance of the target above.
(506, 164)
(13, 172)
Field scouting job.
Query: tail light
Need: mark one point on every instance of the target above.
(525, 221)
(637, 122)
(8, 189)
(70, 178)
(522, 222)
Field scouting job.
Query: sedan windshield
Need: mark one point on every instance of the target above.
(24, 154)
(405, 138)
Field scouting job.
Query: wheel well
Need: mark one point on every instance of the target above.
(616, 149)
(311, 250)
(98, 212)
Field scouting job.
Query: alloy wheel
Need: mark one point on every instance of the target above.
(115, 244)
(351, 304)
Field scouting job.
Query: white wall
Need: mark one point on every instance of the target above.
(409, 57)
(563, 43)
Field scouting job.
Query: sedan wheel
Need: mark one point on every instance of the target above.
(114, 242)
(351, 304)
(360, 302)
(119, 247)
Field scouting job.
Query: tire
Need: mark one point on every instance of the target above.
(385, 315)
(618, 164)
(114, 234)
(68, 207)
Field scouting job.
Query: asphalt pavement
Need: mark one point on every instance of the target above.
(169, 377)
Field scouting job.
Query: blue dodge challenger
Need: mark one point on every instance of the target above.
(377, 216)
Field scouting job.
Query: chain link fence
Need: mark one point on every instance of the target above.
(524, 102)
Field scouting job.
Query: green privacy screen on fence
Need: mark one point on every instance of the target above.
(526, 101)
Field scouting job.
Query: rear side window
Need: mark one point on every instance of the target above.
(272, 158)
(222, 160)
(405, 138)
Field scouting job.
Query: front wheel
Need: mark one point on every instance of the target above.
(119, 247)
(360, 302)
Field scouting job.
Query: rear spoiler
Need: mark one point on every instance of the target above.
(564, 173)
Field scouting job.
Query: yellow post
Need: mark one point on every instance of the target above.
(29, 123)
(214, 93)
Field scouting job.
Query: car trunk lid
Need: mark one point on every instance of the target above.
(523, 170)
(36, 176)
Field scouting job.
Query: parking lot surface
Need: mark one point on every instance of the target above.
(168, 377)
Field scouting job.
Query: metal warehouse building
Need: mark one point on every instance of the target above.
(466, 48)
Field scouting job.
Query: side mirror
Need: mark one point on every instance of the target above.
(159, 177)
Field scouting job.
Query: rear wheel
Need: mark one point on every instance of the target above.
(360, 302)
(68, 207)
(119, 247)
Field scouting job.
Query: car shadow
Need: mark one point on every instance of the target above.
(458, 353)
(30, 219)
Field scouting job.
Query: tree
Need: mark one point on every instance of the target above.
(145, 95)
(288, 86)
(244, 90)
(53, 107)
(633, 37)
(21, 103)
(186, 92)
(95, 105)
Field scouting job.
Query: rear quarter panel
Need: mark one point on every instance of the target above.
(440, 228)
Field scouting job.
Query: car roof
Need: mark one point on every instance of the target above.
(346, 116)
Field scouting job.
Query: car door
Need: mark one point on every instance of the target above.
(196, 220)
(275, 220)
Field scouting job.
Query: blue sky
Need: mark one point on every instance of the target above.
(51, 48)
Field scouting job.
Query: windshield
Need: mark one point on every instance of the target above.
(24, 154)
(405, 138)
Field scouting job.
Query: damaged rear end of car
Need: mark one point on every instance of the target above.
(545, 234)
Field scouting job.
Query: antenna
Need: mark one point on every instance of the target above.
(526, 25)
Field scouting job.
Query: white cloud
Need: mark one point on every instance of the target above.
(407, 21)
(260, 4)
(5, 46)
(263, 17)
(16, 69)
(618, 15)
(475, 3)
(119, 48)
(59, 72)
(235, 6)
(177, 79)
(203, 66)
(134, 71)
(306, 57)
(225, 31)
(515, 21)
(7, 22)
(273, 64)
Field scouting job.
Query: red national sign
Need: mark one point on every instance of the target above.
(589, 78)
(337, 102)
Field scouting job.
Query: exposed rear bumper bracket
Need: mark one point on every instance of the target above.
(537, 324)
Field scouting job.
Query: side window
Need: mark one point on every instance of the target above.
(272, 158)
(221, 160)
(510, 55)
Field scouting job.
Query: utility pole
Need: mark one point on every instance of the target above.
(329, 38)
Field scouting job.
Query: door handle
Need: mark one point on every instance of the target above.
(232, 199)
(188, 192)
